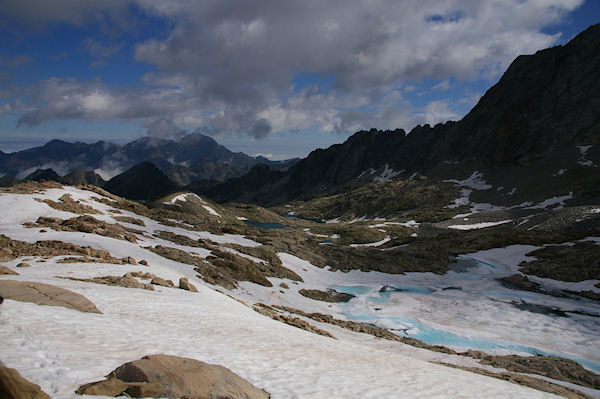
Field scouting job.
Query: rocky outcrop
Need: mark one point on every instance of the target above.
(236, 268)
(184, 284)
(130, 220)
(30, 187)
(68, 204)
(549, 366)
(126, 281)
(162, 282)
(173, 377)
(45, 294)
(6, 271)
(525, 380)
(11, 249)
(367, 329)
(326, 296)
(85, 224)
(176, 254)
(14, 386)
(292, 321)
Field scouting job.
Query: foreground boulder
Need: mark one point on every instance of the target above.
(45, 294)
(14, 386)
(168, 376)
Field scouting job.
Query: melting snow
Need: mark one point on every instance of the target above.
(553, 201)
(475, 182)
(465, 193)
(372, 244)
(410, 223)
(387, 174)
(211, 211)
(583, 149)
(475, 226)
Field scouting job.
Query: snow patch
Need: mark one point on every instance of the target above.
(475, 182)
(387, 174)
(410, 223)
(553, 201)
(465, 194)
(183, 198)
(560, 172)
(583, 161)
(475, 226)
(210, 210)
(372, 244)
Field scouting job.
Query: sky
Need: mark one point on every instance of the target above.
(266, 77)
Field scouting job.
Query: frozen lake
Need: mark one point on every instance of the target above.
(424, 306)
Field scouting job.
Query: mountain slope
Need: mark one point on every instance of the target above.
(540, 120)
(544, 102)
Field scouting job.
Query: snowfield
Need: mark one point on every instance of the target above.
(61, 349)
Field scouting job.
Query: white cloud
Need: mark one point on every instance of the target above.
(439, 111)
(190, 121)
(443, 85)
(230, 64)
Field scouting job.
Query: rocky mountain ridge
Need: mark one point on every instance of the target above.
(540, 121)
(193, 157)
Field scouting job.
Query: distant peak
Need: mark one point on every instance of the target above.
(56, 142)
(197, 137)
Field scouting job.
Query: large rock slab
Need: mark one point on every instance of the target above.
(14, 386)
(174, 377)
(45, 294)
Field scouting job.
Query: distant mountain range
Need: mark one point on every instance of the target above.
(537, 129)
(194, 157)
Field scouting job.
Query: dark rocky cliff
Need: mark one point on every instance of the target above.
(544, 107)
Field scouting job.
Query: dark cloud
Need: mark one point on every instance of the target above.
(164, 128)
(36, 14)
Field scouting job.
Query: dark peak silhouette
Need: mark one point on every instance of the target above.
(143, 181)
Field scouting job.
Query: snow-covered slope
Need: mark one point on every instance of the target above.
(61, 349)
